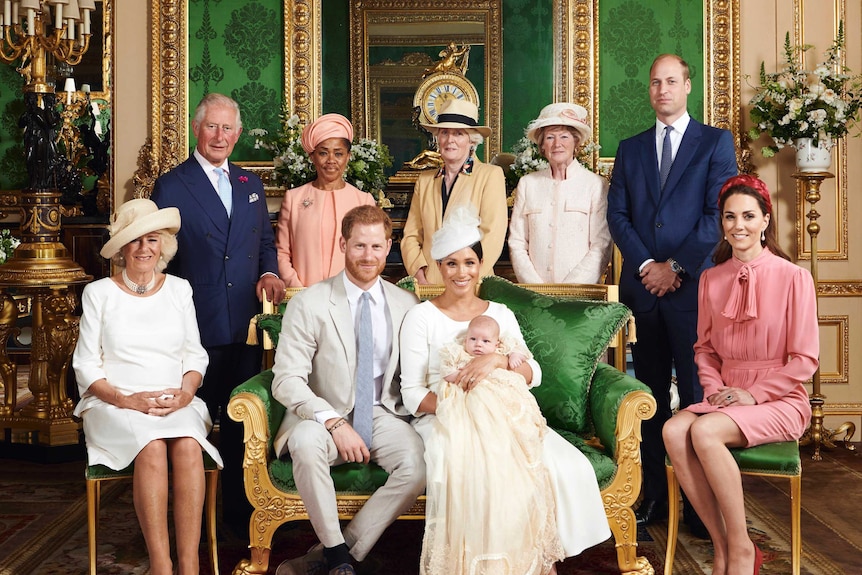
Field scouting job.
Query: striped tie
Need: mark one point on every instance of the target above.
(666, 156)
(364, 401)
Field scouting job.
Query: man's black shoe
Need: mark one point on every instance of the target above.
(650, 511)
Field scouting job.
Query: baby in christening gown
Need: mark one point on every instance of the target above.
(485, 460)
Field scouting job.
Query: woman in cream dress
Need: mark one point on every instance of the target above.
(574, 493)
(139, 362)
(559, 230)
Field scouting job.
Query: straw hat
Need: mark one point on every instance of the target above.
(561, 114)
(457, 113)
(137, 218)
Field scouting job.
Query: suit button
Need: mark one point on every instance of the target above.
(229, 284)
(658, 224)
(226, 258)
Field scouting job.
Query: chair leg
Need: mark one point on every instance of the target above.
(796, 523)
(93, 495)
(672, 518)
(210, 511)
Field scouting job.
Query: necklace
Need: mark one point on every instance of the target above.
(139, 289)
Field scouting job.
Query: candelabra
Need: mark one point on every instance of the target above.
(41, 267)
(816, 433)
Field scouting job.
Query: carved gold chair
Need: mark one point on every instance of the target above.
(770, 460)
(593, 405)
(97, 474)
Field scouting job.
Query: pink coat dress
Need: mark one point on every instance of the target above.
(309, 227)
(757, 330)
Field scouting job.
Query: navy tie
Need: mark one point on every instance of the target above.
(364, 401)
(225, 190)
(666, 157)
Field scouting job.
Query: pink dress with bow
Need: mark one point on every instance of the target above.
(757, 330)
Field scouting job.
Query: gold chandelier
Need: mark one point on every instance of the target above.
(41, 268)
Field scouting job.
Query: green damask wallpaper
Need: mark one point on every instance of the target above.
(632, 33)
(236, 47)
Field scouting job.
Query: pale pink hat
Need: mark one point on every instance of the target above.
(325, 127)
(561, 114)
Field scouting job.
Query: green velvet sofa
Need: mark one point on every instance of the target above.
(594, 405)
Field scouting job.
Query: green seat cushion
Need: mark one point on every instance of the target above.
(105, 472)
(603, 465)
(349, 478)
(780, 458)
(567, 338)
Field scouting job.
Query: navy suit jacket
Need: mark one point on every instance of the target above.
(680, 222)
(221, 257)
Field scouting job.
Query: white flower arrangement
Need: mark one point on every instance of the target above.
(292, 166)
(8, 243)
(821, 104)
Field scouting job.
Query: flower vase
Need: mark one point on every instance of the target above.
(811, 157)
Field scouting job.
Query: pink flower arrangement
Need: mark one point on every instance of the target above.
(243, 179)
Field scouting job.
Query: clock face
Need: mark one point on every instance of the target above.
(437, 89)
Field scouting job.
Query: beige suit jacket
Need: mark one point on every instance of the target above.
(315, 362)
(485, 188)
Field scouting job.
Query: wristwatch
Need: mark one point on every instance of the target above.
(675, 267)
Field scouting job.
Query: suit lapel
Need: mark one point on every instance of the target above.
(649, 162)
(684, 156)
(342, 319)
(200, 188)
(396, 312)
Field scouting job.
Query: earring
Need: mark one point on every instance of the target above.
(763, 236)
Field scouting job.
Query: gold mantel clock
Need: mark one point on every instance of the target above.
(437, 88)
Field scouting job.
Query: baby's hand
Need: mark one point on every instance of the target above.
(452, 377)
(516, 359)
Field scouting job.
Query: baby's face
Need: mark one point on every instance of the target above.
(481, 340)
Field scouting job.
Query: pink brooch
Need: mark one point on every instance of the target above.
(243, 179)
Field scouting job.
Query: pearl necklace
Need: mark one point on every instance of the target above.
(139, 289)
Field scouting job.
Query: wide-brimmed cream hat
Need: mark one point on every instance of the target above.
(458, 113)
(561, 114)
(137, 218)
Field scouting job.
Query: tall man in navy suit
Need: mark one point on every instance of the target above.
(663, 216)
(227, 253)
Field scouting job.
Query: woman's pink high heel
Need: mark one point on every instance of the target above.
(758, 559)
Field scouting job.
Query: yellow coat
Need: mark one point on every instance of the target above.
(485, 188)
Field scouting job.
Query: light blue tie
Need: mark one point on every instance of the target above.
(364, 401)
(225, 190)
(666, 156)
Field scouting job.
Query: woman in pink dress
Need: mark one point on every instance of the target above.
(757, 345)
(309, 224)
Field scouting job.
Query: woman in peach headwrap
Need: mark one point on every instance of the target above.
(309, 223)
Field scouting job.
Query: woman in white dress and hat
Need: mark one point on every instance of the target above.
(138, 363)
(559, 230)
(463, 179)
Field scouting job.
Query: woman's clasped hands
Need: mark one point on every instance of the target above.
(159, 403)
(727, 396)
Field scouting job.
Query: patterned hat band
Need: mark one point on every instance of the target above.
(457, 119)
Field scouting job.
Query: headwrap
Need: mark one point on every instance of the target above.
(748, 181)
(325, 127)
(460, 230)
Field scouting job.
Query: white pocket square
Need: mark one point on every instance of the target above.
(253, 197)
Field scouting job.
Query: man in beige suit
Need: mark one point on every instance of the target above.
(318, 374)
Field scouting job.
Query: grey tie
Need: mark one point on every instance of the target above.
(666, 156)
(225, 190)
(364, 401)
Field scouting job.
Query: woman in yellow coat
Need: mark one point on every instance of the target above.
(463, 179)
(309, 223)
